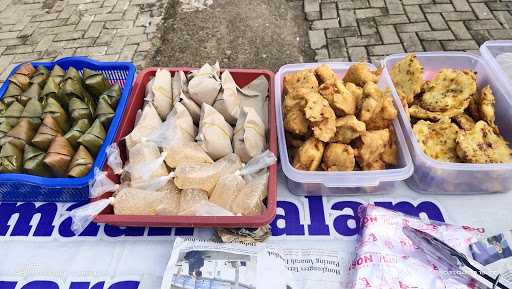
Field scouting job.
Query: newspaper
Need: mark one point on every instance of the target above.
(495, 253)
(206, 264)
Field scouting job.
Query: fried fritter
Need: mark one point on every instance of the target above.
(295, 121)
(372, 101)
(338, 157)
(356, 91)
(309, 155)
(390, 153)
(370, 147)
(343, 103)
(421, 113)
(359, 74)
(407, 76)
(486, 104)
(321, 115)
(438, 139)
(482, 145)
(325, 74)
(293, 141)
(464, 121)
(449, 89)
(295, 100)
(348, 128)
(300, 79)
(473, 108)
(384, 118)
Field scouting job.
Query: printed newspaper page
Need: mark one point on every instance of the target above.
(495, 253)
(206, 264)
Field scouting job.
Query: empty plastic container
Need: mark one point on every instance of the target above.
(337, 183)
(432, 176)
(498, 55)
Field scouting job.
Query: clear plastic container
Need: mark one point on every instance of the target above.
(490, 51)
(337, 183)
(431, 176)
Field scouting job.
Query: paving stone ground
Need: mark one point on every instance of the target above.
(106, 30)
(370, 29)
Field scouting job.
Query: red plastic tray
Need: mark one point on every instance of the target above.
(242, 77)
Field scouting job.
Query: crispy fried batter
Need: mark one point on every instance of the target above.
(295, 100)
(342, 103)
(295, 122)
(487, 111)
(359, 74)
(321, 115)
(384, 118)
(407, 76)
(370, 147)
(438, 139)
(356, 91)
(473, 107)
(449, 89)
(338, 157)
(371, 103)
(293, 141)
(421, 113)
(482, 145)
(309, 155)
(300, 79)
(348, 128)
(325, 74)
(390, 153)
(464, 121)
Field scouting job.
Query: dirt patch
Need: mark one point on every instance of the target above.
(48, 4)
(238, 33)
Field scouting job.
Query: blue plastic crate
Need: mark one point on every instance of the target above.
(29, 188)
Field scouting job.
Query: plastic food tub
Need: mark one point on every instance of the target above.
(432, 176)
(242, 77)
(29, 188)
(492, 49)
(337, 183)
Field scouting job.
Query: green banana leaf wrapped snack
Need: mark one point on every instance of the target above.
(50, 89)
(59, 156)
(13, 113)
(33, 162)
(21, 80)
(48, 130)
(33, 111)
(78, 129)
(112, 95)
(26, 69)
(72, 73)
(81, 163)
(34, 91)
(57, 74)
(104, 113)
(11, 159)
(79, 110)
(5, 127)
(54, 109)
(21, 134)
(95, 82)
(40, 76)
(93, 138)
(12, 94)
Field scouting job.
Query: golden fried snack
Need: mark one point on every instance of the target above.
(371, 102)
(374, 165)
(438, 139)
(473, 108)
(295, 122)
(356, 91)
(338, 157)
(342, 103)
(449, 89)
(370, 148)
(295, 100)
(325, 74)
(407, 76)
(300, 79)
(421, 113)
(390, 154)
(384, 118)
(321, 115)
(309, 155)
(348, 128)
(359, 74)
(482, 145)
(464, 121)
(487, 112)
(293, 140)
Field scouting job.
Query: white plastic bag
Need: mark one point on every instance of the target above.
(101, 184)
(249, 135)
(228, 101)
(206, 208)
(114, 159)
(259, 162)
(215, 133)
(83, 216)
